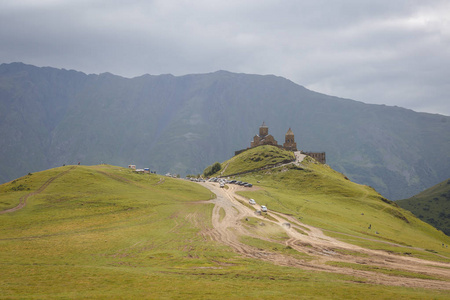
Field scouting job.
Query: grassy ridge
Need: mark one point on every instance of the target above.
(105, 232)
(320, 196)
(255, 158)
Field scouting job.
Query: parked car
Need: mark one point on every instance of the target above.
(252, 202)
(263, 208)
(248, 185)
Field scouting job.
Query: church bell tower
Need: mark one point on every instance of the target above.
(263, 130)
(289, 142)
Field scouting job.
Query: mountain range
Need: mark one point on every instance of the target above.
(50, 117)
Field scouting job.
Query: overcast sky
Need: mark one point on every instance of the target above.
(390, 52)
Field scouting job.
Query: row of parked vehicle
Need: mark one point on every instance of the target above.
(246, 184)
(194, 179)
(224, 181)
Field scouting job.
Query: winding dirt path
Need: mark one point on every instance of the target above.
(228, 227)
(23, 199)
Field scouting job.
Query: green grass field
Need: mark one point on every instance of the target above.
(255, 158)
(319, 196)
(104, 232)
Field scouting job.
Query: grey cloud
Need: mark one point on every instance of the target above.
(391, 52)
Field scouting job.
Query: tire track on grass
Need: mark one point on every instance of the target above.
(321, 248)
(23, 199)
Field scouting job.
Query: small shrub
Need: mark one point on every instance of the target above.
(214, 168)
(430, 250)
(20, 187)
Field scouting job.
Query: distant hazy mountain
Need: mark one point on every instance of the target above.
(432, 206)
(50, 117)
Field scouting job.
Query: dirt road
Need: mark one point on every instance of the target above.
(229, 217)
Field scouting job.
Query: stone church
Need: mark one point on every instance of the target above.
(264, 138)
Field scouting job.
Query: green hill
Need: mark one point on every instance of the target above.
(255, 158)
(106, 232)
(432, 206)
(322, 197)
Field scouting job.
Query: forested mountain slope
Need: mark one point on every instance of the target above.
(50, 117)
(432, 206)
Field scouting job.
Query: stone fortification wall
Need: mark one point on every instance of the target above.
(319, 156)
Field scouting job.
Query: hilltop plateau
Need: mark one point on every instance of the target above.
(108, 232)
(50, 117)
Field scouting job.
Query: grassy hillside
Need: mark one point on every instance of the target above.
(255, 158)
(104, 232)
(322, 197)
(431, 206)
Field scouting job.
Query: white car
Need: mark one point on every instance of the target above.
(252, 202)
(263, 208)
